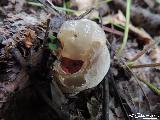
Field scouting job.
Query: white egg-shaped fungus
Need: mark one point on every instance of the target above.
(84, 59)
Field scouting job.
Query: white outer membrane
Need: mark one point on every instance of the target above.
(83, 40)
(86, 31)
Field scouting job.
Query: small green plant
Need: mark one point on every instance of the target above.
(126, 28)
(52, 42)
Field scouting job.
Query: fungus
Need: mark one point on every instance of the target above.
(84, 59)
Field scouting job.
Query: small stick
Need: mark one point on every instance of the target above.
(145, 65)
(3, 101)
(46, 34)
(50, 6)
(100, 18)
(114, 31)
(84, 14)
(105, 99)
(138, 55)
(150, 46)
(3, 61)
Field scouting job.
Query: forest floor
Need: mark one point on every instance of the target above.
(131, 88)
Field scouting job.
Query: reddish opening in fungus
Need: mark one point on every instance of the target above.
(70, 66)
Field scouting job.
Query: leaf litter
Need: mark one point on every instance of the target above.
(26, 31)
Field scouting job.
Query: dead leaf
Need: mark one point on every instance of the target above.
(87, 4)
(119, 19)
(29, 37)
(81, 4)
(155, 55)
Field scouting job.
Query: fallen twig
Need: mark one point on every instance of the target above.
(105, 99)
(3, 101)
(139, 54)
(114, 31)
(146, 65)
(150, 46)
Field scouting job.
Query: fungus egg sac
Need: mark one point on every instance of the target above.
(85, 58)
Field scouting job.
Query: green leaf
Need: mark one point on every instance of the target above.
(52, 38)
(130, 63)
(35, 4)
(52, 46)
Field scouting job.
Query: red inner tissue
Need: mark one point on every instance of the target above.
(70, 66)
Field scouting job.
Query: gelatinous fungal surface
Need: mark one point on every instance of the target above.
(85, 58)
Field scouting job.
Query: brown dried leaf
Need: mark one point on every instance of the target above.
(29, 37)
(84, 5)
(119, 19)
(155, 55)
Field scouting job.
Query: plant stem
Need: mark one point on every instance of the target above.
(151, 86)
(126, 28)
